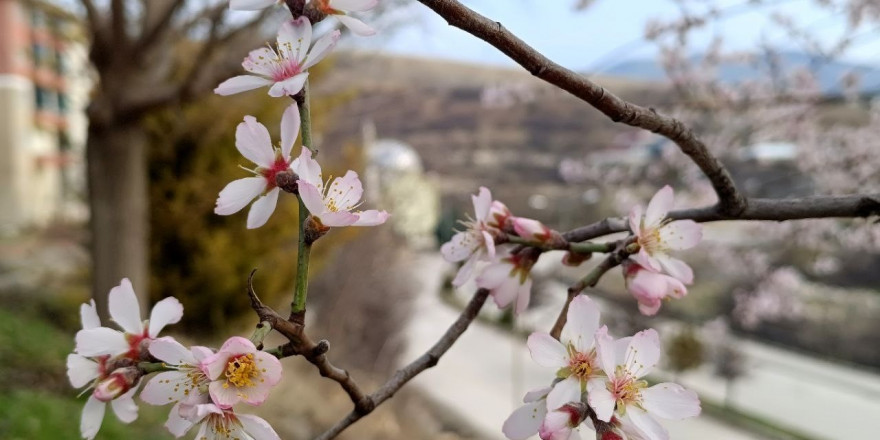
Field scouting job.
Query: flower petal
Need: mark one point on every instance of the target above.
(322, 49)
(238, 193)
(371, 218)
(546, 351)
(681, 234)
(166, 311)
(171, 352)
(88, 314)
(311, 197)
(644, 259)
(461, 246)
(676, 268)
(125, 309)
(224, 397)
(646, 424)
(658, 207)
(241, 83)
(167, 387)
(338, 219)
(356, 26)
(482, 203)
(605, 349)
(262, 209)
(250, 5)
(124, 407)
(254, 143)
(525, 421)
(523, 295)
(568, 390)
(465, 271)
(290, 124)
(536, 394)
(92, 417)
(290, 86)
(671, 401)
(643, 353)
(294, 39)
(354, 5)
(257, 428)
(101, 341)
(177, 425)
(346, 191)
(635, 220)
(262, 61)
(81, 370)
(600, 399)
(308, 169)
(581, 324)
(489, 244)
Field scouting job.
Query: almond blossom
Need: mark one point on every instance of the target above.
(509, 280)
(624, 394)
(562, 423)
(650, 288)
(535, 231)
(476, 243)
(573, 355)
(240, 372)
(526, 420)
(336, 203)
(338, 9)
(656, 236)
(284, 67)
(253, 141)
(126, 312)
(188, 379)
(216, 423)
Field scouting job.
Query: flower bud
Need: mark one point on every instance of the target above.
(558, 424)
(314, 229)
(286, 180)
(498, 215)
(117, 383)
(534, 230)
(575, 259)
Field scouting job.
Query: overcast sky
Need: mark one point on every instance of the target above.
(609, 30)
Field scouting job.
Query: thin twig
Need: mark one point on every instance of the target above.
(425, 361)
(617, 109)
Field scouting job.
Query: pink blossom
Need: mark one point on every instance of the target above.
(656, 236)
(623, 392)
(508, 280)
(337, 203)
(526, 420)
(650, 288)
(573, 355)
(562, 423)
(253, 142)
(476, 243)
(534, 231)
(240, 372)
(217, 423)
(284, 68)
(188, 378)
(338, 9)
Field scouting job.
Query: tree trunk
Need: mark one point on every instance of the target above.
(118, 201)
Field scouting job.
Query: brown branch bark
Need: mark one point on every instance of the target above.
(849, 206)
(425, 361)
(731, 202)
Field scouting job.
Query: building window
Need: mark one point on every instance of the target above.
(45, 99)
(41, 54)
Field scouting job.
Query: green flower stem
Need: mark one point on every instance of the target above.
(298, 306)
(153, 367)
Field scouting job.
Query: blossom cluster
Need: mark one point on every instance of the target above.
(202, 385)
(596, 372)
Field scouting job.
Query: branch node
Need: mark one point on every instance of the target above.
(322, 347)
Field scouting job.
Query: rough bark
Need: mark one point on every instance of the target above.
(117, 175)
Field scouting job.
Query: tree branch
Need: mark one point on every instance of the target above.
(850, 206)
(731, 202)
(425, 361)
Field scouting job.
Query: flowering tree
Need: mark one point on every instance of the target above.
(598, 380)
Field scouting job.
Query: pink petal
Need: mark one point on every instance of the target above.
(600, 399)
(224, 397)
(81, 370)
(261, 62)
(670, 401)
(254, 143)
(250, 5)
(536, 394)
(294, 39)
(482, 203)
(371, 218)
(290, 86)
(346, 191)
(354, 5)
(566, 391)
(523, 295)
(258, 428)
(290, 124)
(101, 341)
(525, 421)
(92, 417)
(505, 293)
(238, 193)
(356, 26)
(681, 234)
(201, 353)
(88, 314)
(646, 424)
(489, 244)
(635, 220)
(311, 197)
(167, 387)
(125, 309)
(322, 49)
(170, 351)
(308, 169)
(646, 260)
(643, 352)
(338, 219)
(546, 351)
(530, 229)
(262, 209)
(461, 246)
(581, 323)
(658, 207)
(676, 268)
(177, 425)
(605, 350)
(465, 271)
(165, 312)
(124, 407)
(241, 83)
(494, 276)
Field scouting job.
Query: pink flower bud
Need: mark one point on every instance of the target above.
(117, 384)
(498, 215)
